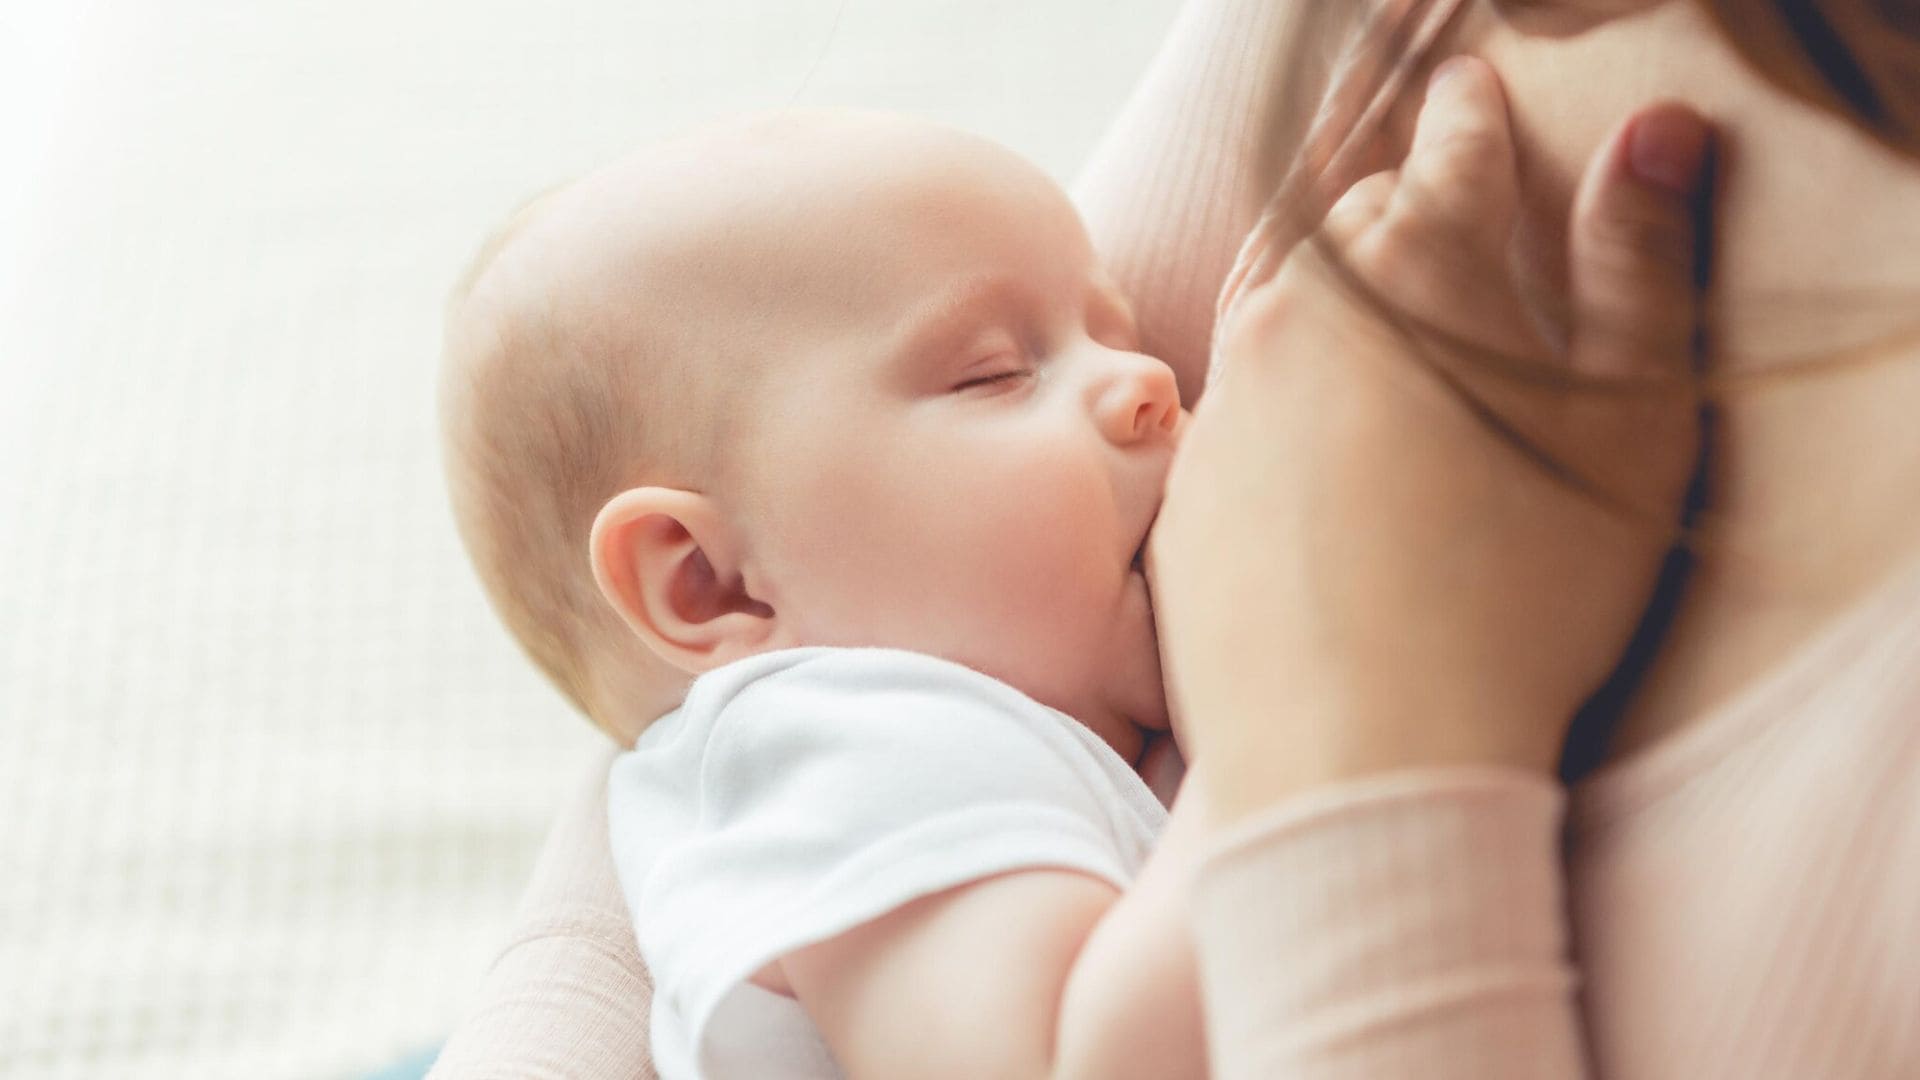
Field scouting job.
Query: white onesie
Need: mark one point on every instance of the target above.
(800, 793)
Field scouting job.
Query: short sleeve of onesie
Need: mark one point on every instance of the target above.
(800, 793)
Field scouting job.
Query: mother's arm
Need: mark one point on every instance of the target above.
(567, 996)
(1377, 615)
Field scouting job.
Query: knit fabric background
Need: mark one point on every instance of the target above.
(271, 774)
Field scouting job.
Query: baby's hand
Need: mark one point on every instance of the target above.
(1379, 552)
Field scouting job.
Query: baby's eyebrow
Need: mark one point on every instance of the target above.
(942, 323)
(1116, 299)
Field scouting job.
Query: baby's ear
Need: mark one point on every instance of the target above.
(665, 559)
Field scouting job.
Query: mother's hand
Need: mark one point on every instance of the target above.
(1354, 568)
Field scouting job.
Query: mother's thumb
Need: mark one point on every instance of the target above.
(1637, 245)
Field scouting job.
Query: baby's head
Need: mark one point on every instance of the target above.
(810, 378)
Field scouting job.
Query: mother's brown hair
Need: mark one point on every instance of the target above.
(1858, 59)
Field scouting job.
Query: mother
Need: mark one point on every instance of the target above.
(1744, 871)
(1744, 874)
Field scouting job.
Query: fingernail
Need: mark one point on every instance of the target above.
(1668, 148)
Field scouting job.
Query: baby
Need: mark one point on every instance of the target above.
(814, 454)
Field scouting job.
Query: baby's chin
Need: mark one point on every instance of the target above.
(1140, 707)
(1156, 717)
(1149, 687)
(1147, 709)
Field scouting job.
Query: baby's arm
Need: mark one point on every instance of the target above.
(1037, 973)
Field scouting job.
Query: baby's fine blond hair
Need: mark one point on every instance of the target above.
(545, 415)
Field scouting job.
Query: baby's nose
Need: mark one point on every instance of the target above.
(1142, 403)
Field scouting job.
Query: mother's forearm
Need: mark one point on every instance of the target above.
(1410, 924)
(1266, 754)
(568, 995)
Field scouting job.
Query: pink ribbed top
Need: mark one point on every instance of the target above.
(1745, 897)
